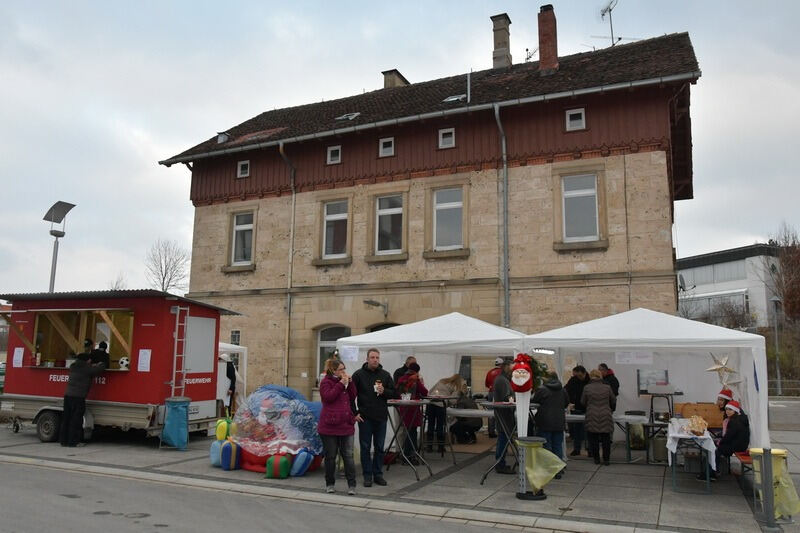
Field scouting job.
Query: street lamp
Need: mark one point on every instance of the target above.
(776, 301)
(56, 215)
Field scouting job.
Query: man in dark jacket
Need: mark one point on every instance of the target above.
(550, 416)
(574, 388)
(100, 355)
(609, 378)
(505, 417)
(81, 374)
(374, 386)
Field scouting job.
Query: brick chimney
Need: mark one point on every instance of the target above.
(393, 78)
(548, 40)
(501, 57)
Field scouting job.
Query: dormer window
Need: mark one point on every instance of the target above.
(348, 116)
(455, 98)
(334, 154)
(575, 119)
(386, 147)
(243, 169)
(222, 137)
(447, 138)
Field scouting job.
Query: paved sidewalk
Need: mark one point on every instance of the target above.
(620, 497)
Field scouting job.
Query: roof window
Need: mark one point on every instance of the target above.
(348, 116)
(222, 136)
(455, 98)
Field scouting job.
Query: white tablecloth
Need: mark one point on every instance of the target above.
(470, 413)
(619, 418)
(705, 441)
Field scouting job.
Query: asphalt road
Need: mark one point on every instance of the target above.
(784, 414)
(35, 500)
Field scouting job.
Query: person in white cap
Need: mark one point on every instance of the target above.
(491, 375)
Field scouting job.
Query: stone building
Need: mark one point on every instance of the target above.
(531, 195)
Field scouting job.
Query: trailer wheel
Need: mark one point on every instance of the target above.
(48, 425)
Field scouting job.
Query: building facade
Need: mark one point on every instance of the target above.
(529, 195)
(730, 287)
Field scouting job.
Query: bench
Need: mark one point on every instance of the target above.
(746, 460)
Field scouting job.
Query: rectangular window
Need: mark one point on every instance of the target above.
(447, 138)
(579, 208)
(236, 336)
(242, 249)
(447, 219)
(389, 225)
(334, 154)
(334, 233)
(386, 147)
(243, 169)
(576, 119)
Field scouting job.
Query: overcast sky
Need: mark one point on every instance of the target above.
(94, 94)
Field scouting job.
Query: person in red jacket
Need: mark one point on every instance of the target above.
(491, 375)
(411, 383)
(337, 423)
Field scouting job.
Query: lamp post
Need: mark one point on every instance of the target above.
(56, 215)
(776, 301)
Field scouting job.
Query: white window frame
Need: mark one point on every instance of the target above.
(443, 206)
(386, 153)
(242, 227)
(330, 160)
(240, 173)
(328, 344)
(390, 211)
(570, 127)
(442, 133)
(330, 218)
(577, 194)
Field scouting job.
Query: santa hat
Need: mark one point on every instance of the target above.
(733, 405)
(725, 394)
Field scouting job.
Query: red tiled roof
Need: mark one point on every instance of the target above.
(650, 59)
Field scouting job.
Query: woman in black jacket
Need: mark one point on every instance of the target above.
(736, 437)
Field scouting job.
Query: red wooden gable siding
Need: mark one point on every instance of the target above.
(618, 119)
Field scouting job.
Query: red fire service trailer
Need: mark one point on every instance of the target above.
(160, 346)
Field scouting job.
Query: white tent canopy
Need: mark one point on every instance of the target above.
(437, 343)
(642, 340)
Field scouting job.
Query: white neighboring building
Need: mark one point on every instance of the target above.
(713, 283)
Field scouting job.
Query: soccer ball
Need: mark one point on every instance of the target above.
(124, 363)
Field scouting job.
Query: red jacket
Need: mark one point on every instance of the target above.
(491, 375)
(409, 383)
(336, 417)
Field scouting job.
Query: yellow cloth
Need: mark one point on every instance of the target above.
(540, 465)
(785, 496)
(786, 501)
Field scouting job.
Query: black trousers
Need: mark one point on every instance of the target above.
(595, 440)
(71, 430)
(339, 445)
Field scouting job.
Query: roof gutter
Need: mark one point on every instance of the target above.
(446, 112)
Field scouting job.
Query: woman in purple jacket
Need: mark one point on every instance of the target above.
(337, 423)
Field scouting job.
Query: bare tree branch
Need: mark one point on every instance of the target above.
(167, 266)
(119, 283)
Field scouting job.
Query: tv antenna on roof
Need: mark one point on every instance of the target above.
(607, 11)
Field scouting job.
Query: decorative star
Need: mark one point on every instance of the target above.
(721, 368)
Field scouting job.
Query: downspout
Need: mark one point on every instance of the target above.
(290, 267)
(506, 289)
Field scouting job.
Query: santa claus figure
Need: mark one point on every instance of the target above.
(521, 384)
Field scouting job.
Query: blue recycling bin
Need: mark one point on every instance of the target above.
(175, 432)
